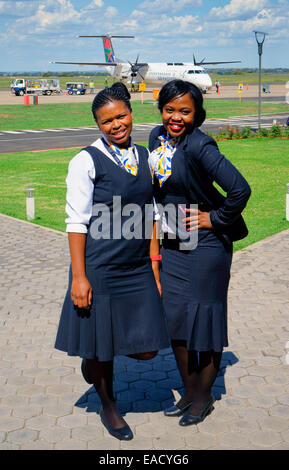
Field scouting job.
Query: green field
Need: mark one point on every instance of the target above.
(263, 162)
(79, 114)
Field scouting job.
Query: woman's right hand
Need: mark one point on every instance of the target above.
(81, 292)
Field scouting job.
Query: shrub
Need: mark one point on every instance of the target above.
(263, 132)
(275, 131)
(245, 132)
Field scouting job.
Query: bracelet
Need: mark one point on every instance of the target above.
(156, 258)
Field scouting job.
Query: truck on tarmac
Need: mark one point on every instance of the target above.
(40, 86)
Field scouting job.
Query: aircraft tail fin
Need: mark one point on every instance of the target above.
(108, 50)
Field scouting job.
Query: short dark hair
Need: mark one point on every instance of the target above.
(117, 92)
(176, 88)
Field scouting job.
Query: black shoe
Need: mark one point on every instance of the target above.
(189, 419)
(123, 434)
(84, 370)
(175, 410)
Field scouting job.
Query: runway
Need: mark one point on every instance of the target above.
(45, 139)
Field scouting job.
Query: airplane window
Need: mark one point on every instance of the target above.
(190, 71)
(170, 63)
(178, 63)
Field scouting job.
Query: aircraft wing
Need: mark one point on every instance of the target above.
(215, 63)
(101, 64)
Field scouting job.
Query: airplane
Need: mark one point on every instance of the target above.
(151, 72)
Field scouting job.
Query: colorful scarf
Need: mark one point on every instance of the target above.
(126, 157)
(160, 159)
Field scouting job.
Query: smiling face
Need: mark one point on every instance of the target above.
(178, 115)
(115, 122)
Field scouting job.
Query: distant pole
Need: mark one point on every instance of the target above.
(260, 41)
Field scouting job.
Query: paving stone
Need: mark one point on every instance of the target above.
(265, 438)
(271, 390)
(106, 443)
(9, 446)
(252, 380)
(137, 443)
(88, 432)
(71, 444)
(285, 435)
(5, 411)
(72, 421)
(252, 413)
(150, 430)
(234, 440)
(168, 442)
(283, 399)
(26, 412)
(268, 361)
(274, 423)
(53, 434)
(244, 425)
(59, 389)
(57, 410)
(200, 441)
(262, 401)
(213, 426)
(244, 391)
(10, 423)
(21, 436)
(279, 411)
(37, 445)
(280, 446)
(30, 390)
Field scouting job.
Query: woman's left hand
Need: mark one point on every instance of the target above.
(197, 220)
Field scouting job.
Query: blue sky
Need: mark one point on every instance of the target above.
(34, 32)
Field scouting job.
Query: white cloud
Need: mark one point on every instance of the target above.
(168, 6)
(111, 12)
(238, 9)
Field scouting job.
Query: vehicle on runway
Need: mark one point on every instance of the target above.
(151, 72)
(76, 88)
(43, 86)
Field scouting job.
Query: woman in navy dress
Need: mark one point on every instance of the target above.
(112, 305)
(185, 163)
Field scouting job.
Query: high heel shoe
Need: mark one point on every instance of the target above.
(188, 419)
(175, 410)
(123, 434)
(84, 370)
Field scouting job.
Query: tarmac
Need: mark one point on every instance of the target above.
(278, 91)
(45, 403)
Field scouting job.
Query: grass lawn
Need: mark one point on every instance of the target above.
(79, 114)
(263, 162)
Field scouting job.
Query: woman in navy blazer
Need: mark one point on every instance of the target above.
(185, 163)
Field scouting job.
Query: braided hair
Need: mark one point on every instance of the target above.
(117, 92)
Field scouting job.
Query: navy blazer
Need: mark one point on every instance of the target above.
(205, 164)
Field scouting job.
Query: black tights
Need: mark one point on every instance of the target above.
(102, 376)
(198, 371)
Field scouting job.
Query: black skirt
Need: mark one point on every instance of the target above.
(194, 291)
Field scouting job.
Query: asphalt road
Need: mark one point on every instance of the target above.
(44, 139)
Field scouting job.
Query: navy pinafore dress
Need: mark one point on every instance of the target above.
(126, 315)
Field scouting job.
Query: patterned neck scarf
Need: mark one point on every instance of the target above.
(160, 159)
(124, 157)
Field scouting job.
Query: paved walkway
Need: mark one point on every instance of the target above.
(45, 403)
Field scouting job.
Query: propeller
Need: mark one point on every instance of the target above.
(135, 69)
